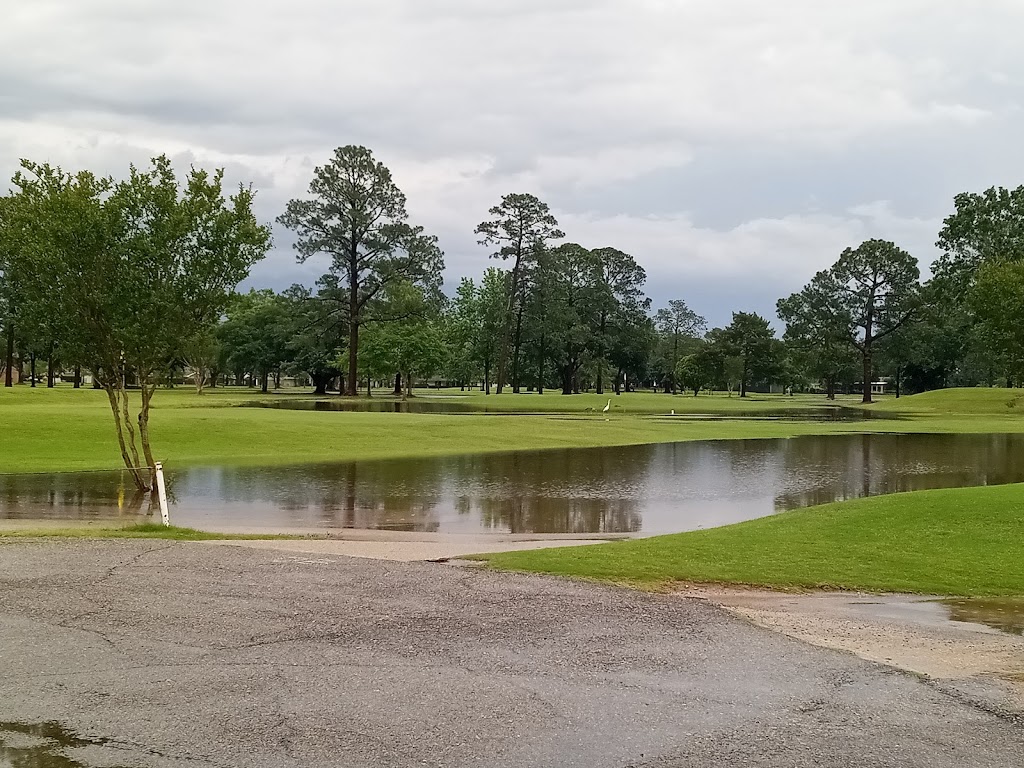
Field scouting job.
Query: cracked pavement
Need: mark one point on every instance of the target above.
(176, 654)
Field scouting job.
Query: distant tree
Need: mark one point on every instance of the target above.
(574, 311)
(877, 291)
(703, 368)
(318, 331)
(631, 344)
(751, 340)
(984, 228)
(522, 228)
(676, 324)
(997, 299)
(817, 331)
(135, 267)
(256, 334)
(356, 215)
(619, 294)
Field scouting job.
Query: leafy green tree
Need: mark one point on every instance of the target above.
(522, 228)
(985, 227)
(619, 296)
(703, 368)
(136, 267)
(356, 215)
(573, 311)
(817, 331)
(997, 299)
(256, 334)
(318, 332)
(632, 342)
(751, 340)
(877, 290)
(677, 325)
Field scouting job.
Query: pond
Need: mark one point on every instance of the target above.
(645, 489)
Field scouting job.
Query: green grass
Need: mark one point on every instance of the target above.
(65, 429)
(142, 531)
(965, 541)
(962, 401)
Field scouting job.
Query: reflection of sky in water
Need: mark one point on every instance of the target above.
(649, 488)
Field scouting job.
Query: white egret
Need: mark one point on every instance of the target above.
(605, 409)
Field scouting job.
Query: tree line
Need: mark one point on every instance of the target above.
(135, 282)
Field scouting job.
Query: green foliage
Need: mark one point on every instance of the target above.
(751, 341)
(136, 270)
(521, 228)
(678, 327)
(356, 215)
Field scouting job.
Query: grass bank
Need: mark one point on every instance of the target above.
(65, 429)
(966, 541)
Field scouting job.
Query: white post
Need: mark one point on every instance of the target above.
(161, 493)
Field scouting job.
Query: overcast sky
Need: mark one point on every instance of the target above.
(734, 148)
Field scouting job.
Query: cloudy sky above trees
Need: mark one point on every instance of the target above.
(734, 148)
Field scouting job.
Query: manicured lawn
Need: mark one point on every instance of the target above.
(962, 401)
(966, 541)
(65, 429)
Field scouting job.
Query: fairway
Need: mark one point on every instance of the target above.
(64, 429)
(967, 541)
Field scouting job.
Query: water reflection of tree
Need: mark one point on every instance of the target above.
(70, 496)
(561, 491)
(834, 468)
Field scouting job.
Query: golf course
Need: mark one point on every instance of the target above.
(962, 541)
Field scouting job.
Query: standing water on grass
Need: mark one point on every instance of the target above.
(644, 489)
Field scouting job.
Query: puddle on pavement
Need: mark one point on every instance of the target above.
(1004, 614)
(995, 614)
(640, 489)
(45, 745)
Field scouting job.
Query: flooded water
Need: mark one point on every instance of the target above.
(49, 745)
(644, 489)
(1003, 613)
(455, 406)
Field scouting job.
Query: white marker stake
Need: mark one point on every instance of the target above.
(161, 493)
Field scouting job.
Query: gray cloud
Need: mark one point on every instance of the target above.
(734, 148)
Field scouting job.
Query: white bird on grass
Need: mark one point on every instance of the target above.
(605, 409)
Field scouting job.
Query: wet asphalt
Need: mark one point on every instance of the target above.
(156, 653)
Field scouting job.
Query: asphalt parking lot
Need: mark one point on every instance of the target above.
(155, 653)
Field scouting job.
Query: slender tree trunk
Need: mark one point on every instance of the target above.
(49, 367)
(867, 373)
(506, 333)
(9, 370)
(147, 451)
(32, 369)
(743, 379)
(516, 351)
(398, 385)
(353, 317)
(265, 382)
(540, 366)
(487, 376)
(131, 458)
(78, 377)
(600, 356)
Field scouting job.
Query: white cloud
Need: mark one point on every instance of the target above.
(580, 101)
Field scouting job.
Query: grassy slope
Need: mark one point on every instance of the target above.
(65, 429)
(964, 401)
(957, 542)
